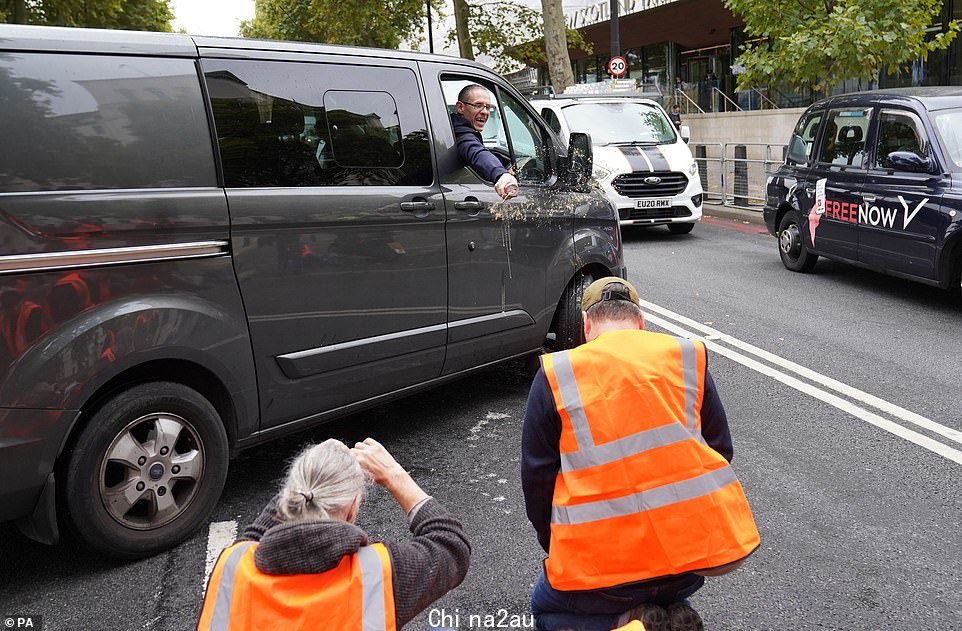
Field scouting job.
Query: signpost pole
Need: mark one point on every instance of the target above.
(615, 30)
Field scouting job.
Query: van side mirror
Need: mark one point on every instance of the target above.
(685, 133)
(580, 162)
(908, 161)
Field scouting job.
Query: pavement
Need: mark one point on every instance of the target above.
(729, 212)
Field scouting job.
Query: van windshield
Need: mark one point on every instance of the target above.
(620, 123)
(948, 124)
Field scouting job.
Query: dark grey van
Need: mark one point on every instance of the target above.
(207, 243)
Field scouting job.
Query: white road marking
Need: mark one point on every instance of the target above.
(220, 534)
(922, 440)
(828, 382)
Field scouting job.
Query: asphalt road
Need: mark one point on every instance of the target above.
(852, 466)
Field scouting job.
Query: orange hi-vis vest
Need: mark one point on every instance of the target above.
(639, 495)
(357, 595)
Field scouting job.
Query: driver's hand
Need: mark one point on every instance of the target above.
(506, 186)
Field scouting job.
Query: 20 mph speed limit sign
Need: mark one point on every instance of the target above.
(617, 66)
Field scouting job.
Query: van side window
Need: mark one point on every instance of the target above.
(290, 124)
(527, 140)
(74, 122)
(364, 129)
(526, 136)
(843, 142)
(803, 140)
(899, 131)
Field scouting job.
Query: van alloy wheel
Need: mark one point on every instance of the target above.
(146, 469)
(151, 471)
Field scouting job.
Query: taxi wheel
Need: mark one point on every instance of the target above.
(147, 470)
(795, 256)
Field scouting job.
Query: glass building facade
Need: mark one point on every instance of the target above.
(692, 62)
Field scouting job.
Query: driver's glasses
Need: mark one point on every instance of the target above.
(482, 106)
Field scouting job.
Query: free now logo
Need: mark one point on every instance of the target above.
(865, 214)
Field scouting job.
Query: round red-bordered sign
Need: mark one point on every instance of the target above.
(617, 66)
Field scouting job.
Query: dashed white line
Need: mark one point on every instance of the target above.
(220, 534)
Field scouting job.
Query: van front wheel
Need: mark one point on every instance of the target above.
(569, 331)
(146, 470)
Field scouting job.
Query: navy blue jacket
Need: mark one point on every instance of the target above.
(473, 152)
(541, 459)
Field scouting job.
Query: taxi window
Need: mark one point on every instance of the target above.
(803, 140)
(899, 131)
(948, 126)
(843, 142)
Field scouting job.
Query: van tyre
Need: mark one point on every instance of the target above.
(569, 330)
(791, 248)
(680, 228)
(146, 470)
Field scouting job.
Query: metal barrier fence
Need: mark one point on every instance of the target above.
(736, 174)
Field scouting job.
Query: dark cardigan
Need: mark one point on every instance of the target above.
(433, 562)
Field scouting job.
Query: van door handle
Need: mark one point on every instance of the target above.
(413, 207)
(868, 198)
(468, 204)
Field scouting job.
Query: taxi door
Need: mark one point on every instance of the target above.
(835, 182)
(901, 218)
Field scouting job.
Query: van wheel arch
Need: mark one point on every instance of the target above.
(184, 372)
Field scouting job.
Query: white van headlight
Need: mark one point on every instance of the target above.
(693, 168)
(600, 173)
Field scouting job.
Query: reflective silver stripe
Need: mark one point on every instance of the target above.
(644, 500)
(372, 590)
(689, 370)
(109, 256)
(629, 445)
(571, 399)
(220, 619)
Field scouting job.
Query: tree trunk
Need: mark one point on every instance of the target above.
(461, 27)
(19, 11)
(556, 46)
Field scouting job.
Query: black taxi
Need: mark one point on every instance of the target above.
(874, 179)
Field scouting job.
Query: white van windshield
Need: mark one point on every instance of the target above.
(948, 124)
(620, 123)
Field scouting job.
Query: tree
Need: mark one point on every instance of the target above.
(136, 15)
(462, 15)
(820, 43)
(378, 23)
(556, 46)
(509, 32)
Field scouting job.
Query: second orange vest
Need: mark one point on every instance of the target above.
(357, 595)
(639, 495)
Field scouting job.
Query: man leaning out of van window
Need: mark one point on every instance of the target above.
(472, 111)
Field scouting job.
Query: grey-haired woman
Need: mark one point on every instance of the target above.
(303, 560)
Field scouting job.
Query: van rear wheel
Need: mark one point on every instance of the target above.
(147, 470)
(792, 250)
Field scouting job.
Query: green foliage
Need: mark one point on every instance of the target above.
(135, 15)
(378, 23)
(511, 32)
(820, 43)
